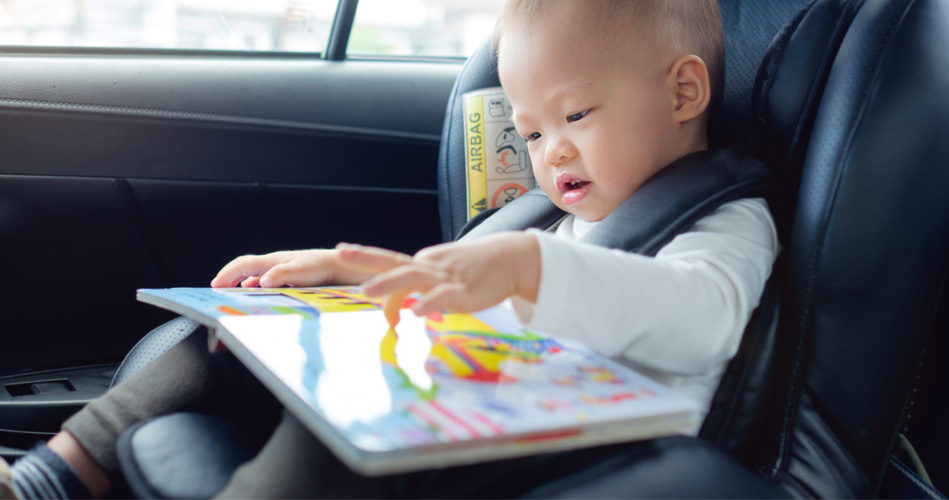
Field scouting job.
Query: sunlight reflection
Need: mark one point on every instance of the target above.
(412, 349)
(353, 387)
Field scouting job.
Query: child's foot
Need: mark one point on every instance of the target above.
(40, 474)
(6, 481)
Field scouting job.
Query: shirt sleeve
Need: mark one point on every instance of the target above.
(681, 312)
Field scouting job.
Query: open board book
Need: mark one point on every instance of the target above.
(442, 390)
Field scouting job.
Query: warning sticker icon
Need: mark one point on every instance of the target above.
(506, 194)
(480, 205)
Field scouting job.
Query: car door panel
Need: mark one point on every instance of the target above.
(141, 170)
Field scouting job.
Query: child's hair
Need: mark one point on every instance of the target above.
(690, 26)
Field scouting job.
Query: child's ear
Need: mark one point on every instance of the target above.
(690, 88)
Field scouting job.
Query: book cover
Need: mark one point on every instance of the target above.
(441, 390)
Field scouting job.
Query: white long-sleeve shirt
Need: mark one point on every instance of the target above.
(677, 317)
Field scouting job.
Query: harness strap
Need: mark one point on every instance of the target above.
(666, 205)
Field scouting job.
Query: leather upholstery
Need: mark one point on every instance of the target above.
(787, 90)
(786, 93)
(672, 467)
(900, 479)
(869, 247)
(154, 344)
(791, 79)
(749, 28)
(867, 257)
(216, 447)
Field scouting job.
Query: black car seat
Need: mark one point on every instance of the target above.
(749, 28)
(803, 437)
(867, 262)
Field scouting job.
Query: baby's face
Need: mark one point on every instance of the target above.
(598, 121)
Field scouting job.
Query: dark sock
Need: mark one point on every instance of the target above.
(44, 474)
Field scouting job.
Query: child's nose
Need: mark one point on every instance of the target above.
(558, 151)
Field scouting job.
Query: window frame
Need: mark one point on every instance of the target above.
(342, 28)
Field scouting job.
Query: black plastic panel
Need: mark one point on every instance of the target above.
(404, 221)
(196, 228)
(126, 172)
(37, 411)
(72, 258)
(45, 143)
(402, 99)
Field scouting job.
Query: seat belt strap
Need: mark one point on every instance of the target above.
(669, 203)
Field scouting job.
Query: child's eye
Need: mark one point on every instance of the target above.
(577, 116)
(532, 137)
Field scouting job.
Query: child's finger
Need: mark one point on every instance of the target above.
(280, 275)
(450, 296)
(370, 259)
(252, 282)
(391, 305)
(410, 277)
(222, 281)
(240, 269)
(218, 282)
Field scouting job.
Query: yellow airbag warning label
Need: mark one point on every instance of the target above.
(498, 165)
(474, 155)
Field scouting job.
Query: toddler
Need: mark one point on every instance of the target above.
(607, 93)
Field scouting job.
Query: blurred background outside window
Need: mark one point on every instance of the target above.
(420, 28)
(262, 25)
(443, 28)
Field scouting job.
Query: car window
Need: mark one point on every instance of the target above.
(230, 25)
(421, 28)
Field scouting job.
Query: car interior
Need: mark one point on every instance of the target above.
(131, 170)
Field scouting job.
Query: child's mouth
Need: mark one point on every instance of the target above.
(572, 189)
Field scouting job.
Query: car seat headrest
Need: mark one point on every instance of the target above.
(788, 88)
(791, 79)
(749, 27)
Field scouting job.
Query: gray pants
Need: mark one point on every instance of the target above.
(291, 463)
(188, 378)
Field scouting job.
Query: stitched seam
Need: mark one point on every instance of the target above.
(167, 114)
(806, 322)
(769, 66)
(820, 79)
(205, 182)
(917, 375)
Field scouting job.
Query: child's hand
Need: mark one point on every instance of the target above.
(461, 277)
(293, 268)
